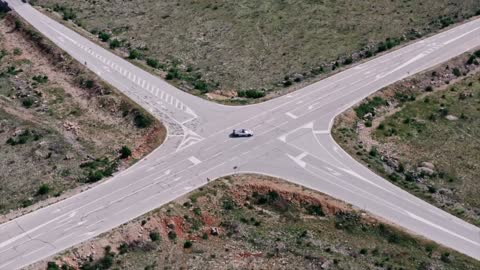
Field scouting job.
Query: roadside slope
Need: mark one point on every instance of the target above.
(61, 127)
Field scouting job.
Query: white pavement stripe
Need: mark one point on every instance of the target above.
(194, 160)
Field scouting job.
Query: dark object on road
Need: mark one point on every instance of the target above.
(242, 133)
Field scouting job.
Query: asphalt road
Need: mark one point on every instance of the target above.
(292, 141)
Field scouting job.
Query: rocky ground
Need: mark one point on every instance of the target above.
(257, 222)
(423, 134)
(248, 51)
(60, 126)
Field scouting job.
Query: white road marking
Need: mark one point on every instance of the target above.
(441, 228)
(296, 160)
(461, 36)
(291, 115)
(194, 160)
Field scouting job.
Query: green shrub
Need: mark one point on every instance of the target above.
(153, 63)
(17, 51)
(228, 204)
(43, 189)
(457, 72)
(27, 102)
(40, 78)
(69, 14)
(104, 36)
(134, 54)
(141, 120)
(154, 236)
(187, 244)
(89, 84)
(369, 106)
(197, 211)
(123, 248)
(315, 210)
(446, 21)
(52, 266)
(429, 88)
(94, 176)
(125, 152)
(201, 85)
(251, 93)
(115, 43)
(172, 235)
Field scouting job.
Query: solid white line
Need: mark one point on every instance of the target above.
(291, 115)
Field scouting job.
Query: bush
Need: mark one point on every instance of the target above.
(228, 204)
(69, 14)
(17, 51)
(315, 210)
(153, 63)
(104, 36)
(94, 176)
(172, 235)
(187, 244)
(114, 43)
(201, 85)
(134, 54)
(27, 102)
(445, 257)
(457, 72)
(373, 152)
(52, 266)
(43, 189)
(251, 93)
(154, 236)
(123, 248)
(89, 84)
(369, 106)
(429, 88)
(40, 78)
(363, 251)
(141, 120)
(125, 152)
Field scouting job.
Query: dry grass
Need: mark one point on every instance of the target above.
(254, 44)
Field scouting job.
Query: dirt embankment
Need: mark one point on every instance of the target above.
(256, 222)
(61, 128)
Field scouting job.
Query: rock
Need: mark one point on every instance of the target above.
(68, 156)
(451, 117)
(425, 170)
(171, 225)
(326, 265)
(39, 154)
(427, 165)
(368, 116)
(214, 231)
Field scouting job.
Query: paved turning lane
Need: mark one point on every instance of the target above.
(292, 141)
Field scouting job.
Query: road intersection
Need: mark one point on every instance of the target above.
(292, 141)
